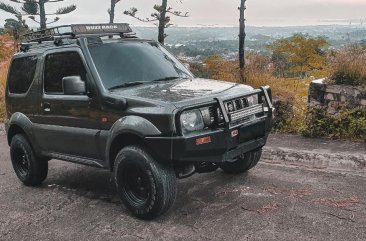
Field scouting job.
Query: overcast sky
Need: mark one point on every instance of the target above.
(221, 12)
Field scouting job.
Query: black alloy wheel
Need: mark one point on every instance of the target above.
(135, 184)
(21, 161)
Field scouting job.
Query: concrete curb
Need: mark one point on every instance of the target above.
(314, 159)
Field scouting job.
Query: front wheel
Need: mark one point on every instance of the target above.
(243, 164)
(145, 186)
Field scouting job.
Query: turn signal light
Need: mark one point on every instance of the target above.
(203, 140)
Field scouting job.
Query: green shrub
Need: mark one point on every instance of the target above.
(348, 123)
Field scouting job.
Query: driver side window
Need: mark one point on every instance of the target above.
(60, 65)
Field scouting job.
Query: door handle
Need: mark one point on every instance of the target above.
(46, 107)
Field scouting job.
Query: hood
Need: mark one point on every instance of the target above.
(181, 91)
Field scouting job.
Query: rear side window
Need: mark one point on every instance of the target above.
(60, 65)
(21, 74)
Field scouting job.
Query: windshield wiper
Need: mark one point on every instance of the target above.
(167, 79)
(129, 84)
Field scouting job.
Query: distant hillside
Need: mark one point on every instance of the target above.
(196, 43)
(200, 42)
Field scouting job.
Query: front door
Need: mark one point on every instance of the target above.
(68, 124)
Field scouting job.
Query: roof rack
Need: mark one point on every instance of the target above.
(77, 30)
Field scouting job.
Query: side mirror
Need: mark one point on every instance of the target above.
(73, 85)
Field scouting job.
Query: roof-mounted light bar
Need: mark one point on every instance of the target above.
(77, 30)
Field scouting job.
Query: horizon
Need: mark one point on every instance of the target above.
(260, 13)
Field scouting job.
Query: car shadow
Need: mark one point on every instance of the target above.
(98, 184)
(88, 182)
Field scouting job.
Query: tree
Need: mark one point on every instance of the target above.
(299, 55)
(242, 35)
(160, 16)
(16, 27)
(111, 11)
(33, 8)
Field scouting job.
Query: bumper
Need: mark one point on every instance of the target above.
(222, 148)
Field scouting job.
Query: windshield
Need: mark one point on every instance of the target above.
(128, 62)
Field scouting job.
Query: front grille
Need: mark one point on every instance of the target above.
(237, 104)
(211, 111)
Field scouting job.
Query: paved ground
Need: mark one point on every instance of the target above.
(272, 202)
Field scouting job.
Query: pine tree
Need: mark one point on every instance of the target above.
(36, 9)
(111, 11)
(161, 16)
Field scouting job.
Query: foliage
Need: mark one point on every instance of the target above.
(348, 66)
(299, 56)
(16, 27)
(5, 54)
(34, 9)
(3, 73)
(348, 123)
(5, 47)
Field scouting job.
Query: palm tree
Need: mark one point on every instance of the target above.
(36, 8)
(160, 16)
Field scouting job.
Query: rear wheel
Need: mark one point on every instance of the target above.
(243, 164)
(146, 187)
(32, 171)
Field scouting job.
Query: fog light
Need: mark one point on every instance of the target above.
(203, 140)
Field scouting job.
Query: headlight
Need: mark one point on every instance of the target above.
(252, 100)
(192, 121)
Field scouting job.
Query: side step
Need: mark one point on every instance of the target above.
(75, 159)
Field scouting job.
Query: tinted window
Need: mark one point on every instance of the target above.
(21, 74)
(125, 62)
(62, 65)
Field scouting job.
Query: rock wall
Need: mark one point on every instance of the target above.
(332, 96)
